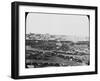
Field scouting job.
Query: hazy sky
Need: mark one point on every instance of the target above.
(77, 25)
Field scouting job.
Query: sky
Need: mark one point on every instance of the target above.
(57, 24)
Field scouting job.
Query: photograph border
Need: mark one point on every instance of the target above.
(15, 39)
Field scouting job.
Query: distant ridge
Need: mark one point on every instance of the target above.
(33, 36)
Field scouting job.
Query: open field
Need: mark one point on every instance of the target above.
(47, 53)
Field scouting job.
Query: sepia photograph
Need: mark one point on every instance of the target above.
(56, 40)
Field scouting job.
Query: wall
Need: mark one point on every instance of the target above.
(5, 42)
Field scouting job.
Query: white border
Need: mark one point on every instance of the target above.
(52, 70)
